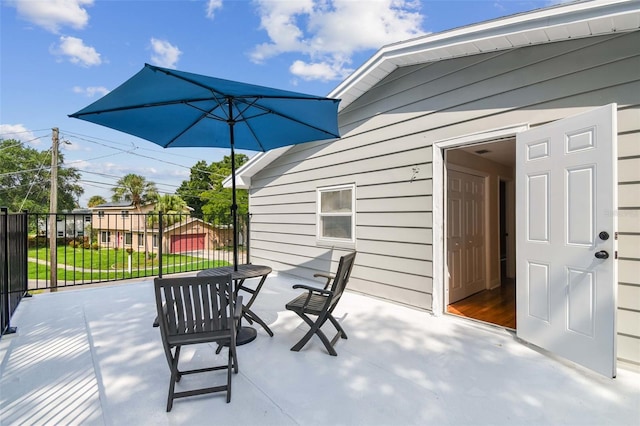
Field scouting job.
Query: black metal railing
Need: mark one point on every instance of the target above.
(13, 265)
(98, 246)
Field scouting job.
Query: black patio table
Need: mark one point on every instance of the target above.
(245, 334)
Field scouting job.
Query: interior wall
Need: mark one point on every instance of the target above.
(494, 171)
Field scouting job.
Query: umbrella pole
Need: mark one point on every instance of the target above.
(234, 205)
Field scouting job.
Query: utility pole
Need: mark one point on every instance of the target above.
(53, 209)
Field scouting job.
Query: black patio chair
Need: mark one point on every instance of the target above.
(320, 302)
(197, 310)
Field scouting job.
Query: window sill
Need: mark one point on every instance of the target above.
(350, 245)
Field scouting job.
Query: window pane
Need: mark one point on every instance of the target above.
(336, 227)
(335, 201)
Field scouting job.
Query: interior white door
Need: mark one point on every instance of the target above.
(566, 228)
(466, 258)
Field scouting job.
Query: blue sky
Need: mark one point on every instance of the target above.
(57, 56)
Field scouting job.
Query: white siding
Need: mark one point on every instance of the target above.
(386, 151)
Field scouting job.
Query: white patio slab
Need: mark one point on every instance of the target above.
(91, 356)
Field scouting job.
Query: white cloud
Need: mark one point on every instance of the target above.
(323, 71)
(77, 52)
(329, 32)
(212, 7)
(91, 91)
(164, 53)
(18, 132)
(54, 14)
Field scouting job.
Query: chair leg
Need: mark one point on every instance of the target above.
(229, 368)
(175, 377)
(338, 327)
(176, 356)
(315, 329)
(234, 355)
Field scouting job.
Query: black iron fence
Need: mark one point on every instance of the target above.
(13, 265)
(96, 246)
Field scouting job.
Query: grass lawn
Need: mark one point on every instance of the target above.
(110, 264)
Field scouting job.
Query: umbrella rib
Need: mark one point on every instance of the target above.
(205, 114)
(140, 106)
(288, 117)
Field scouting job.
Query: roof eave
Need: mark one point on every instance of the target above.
(558, 23)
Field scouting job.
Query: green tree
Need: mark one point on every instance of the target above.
(172, 207)
(96, 200)
(25, 179)
(134, 189)
(217, 200)
(190, 190)
(204, 192)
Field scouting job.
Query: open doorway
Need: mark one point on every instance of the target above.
(480, 232)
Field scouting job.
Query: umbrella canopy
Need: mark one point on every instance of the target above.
(179, 109)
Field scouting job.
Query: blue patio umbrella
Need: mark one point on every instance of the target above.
(180, 109)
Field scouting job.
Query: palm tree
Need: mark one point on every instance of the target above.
(96, 200)
(138, 191)
(173, 208)
(135, 189)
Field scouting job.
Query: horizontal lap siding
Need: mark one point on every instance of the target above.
(386, 151)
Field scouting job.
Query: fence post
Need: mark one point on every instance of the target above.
(5, 275)
(160, 243)
(26, 251)
(248, 237)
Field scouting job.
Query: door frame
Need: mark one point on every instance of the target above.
(439, 194)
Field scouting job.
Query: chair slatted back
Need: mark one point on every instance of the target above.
(342, 277)
(194, 304)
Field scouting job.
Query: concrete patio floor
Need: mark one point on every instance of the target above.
(90, 356)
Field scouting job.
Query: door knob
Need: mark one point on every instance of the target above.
(602, 254)
(604, 235)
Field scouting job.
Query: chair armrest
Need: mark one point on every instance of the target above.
(156, 321)
(326, 276)
(314, 289)
(238, 312)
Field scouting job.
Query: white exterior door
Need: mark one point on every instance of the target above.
(566, 227)
(466, 258)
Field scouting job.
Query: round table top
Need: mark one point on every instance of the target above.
(244, 271)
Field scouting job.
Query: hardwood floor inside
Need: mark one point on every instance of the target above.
(497, 306)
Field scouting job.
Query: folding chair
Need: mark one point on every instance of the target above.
(195, 310)
(320, 302)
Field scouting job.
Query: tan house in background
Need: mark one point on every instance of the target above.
(121, 225)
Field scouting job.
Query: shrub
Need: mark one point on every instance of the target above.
(95, 246)
(39, 241)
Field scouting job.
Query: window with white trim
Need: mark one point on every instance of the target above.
(336, 214)
(105, 237)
